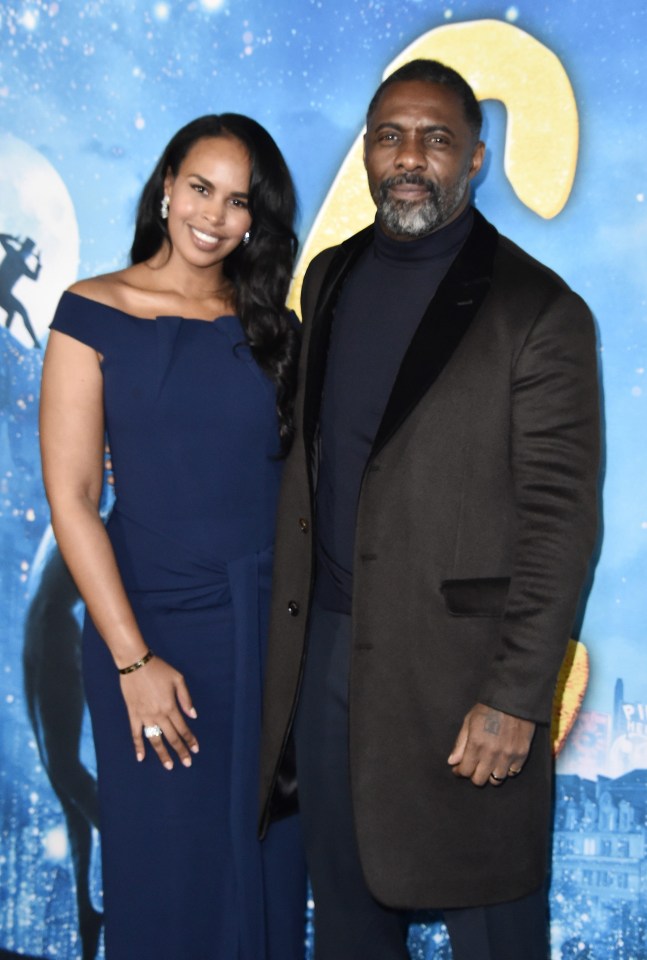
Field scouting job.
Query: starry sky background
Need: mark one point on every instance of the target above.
(97, 88)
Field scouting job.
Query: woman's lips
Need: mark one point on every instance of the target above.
(205, 240)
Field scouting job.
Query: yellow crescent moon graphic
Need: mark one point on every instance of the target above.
(500, 62)
(569, 693)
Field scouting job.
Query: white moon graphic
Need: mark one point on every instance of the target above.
(35, 205)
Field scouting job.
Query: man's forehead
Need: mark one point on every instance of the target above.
(416, 97)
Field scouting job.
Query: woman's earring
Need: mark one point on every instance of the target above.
(246, 237)
(164, 207)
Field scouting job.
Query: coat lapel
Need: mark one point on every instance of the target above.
(445, 322)
(334, 278)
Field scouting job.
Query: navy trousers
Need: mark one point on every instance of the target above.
(350, 924)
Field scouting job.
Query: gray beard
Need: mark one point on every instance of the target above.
(417, 218)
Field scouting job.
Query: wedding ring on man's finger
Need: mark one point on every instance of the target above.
(152, 731)
(514, 773)
(496, 779)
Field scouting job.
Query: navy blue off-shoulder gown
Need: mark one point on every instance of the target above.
(192, 427)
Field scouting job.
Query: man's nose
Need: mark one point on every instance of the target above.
(411, 154)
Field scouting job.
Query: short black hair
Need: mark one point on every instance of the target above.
(432, 71)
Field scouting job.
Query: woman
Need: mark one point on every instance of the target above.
(186, 360)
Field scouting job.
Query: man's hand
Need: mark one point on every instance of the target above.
(491, 746)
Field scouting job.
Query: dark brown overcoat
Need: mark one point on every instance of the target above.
(476, 523)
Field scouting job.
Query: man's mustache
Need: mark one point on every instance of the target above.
(414, 179)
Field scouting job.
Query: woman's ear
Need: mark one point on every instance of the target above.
(169, 180)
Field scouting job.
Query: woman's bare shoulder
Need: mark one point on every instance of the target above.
(106, 288)
(125, 290)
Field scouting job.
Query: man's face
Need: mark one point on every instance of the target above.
(420, 156)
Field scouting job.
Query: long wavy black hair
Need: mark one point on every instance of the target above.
(261, 270)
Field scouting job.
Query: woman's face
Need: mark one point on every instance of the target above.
(209, 203)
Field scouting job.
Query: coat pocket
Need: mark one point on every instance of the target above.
(476, 597)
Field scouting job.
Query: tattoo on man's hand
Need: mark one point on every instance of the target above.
(492, 723)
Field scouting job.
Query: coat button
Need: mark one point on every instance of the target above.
(293, 608)
(303, 523)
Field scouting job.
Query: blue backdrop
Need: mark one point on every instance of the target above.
(89, 94)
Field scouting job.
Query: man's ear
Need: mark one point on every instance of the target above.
(477, 159)
(364, 150)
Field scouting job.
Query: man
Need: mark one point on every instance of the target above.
(436, 523)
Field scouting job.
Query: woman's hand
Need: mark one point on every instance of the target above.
(154, 695)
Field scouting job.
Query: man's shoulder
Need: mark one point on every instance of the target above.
(520, 284)
(313, 280)
(523, 287)
(512, 260)
(322, 261)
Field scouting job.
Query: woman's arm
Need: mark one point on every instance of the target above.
(72, 438)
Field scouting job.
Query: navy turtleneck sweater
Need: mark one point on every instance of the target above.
(377, 314)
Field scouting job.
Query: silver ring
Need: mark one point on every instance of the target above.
(152, 731)
(497, 779)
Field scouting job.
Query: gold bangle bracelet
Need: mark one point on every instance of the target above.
(138, 663)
